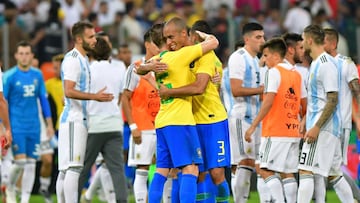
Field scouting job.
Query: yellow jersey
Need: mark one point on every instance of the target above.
(56, 93)
(207, 107)
(177, 110)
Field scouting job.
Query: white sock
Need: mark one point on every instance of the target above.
(242, 183)
(277, 192)
(167, 191)
(342, 189)
(306, 188)
(28, 180)
(107, 184)
(263, 190)
(233, 184)
(45, 183)
(290, 189)
(5, 172)
(319, 188)
(71, 184)
(140, 185)
(16, 168)
(94, 185)
(60, 187)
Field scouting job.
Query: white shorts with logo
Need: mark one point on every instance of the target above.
(72, 144)
(142, 154)
(323, 157)
(241, 149)
(345, 137)
(279, 154)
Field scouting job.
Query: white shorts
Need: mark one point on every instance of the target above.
(241, 149)
(323, 157)
(46, 148)
(279, 154)
(345, 137)
(72, 145)
(142, 154)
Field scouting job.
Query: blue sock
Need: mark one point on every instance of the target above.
(188, 188)
(130, 172)
(156, 188)
(204, 193)
(211, 188)
(175, 197)
(222, 192)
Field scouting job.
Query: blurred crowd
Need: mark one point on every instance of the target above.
(46, 23)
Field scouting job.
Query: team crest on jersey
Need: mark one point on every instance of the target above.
(138, 155)
(192, 65)
(36, 82)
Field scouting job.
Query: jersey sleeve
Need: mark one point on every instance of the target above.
(303, 88)
(190, 53)
(45, 107)
(131, 79)
(236, 66)
(71, 69)
(207, 64)
(272, 80)
(352, 72)
(329, 76)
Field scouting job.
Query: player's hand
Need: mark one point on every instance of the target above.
(249, 133)
(136, 135)
(101, 96)
(216, 79)
(7, 139)
(302, 127)
(312, 135)
(50, 132)
(163, 91)
(157, 66)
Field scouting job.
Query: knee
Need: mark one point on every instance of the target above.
(217, 175)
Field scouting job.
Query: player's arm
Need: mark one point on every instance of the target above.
(332, 100)
(210, 42)
(264, 110)
(151, 65)
(71, 92)
(4, 116)
(196, 88)
(239, 91)
(355, 91)
(127, 108)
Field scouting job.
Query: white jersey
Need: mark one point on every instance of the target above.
(226, 95)
(304, 72)
(106, 116)
(323, 78)
(75, 67)
(1, 83)
(348, 73)
(243, 66)
(131, 78)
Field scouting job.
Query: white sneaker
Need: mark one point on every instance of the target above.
(10, 195)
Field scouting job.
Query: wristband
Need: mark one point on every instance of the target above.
(133, 126)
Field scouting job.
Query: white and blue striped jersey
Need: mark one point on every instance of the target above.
(226, 95)
(323, 78)
(243, 66)
(348, 73)
(75, 67)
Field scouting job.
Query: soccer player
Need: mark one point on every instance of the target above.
(349, 89)
(175, 124)
(211, 120)
(23, 86)
(244, 72)
(104, 118)
(321, 152)
(141, 103)
(279, 149)
(73, 134)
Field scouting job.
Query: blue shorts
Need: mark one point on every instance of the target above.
(127, 133)
(177, 146)
(215, 145)
(25, 143)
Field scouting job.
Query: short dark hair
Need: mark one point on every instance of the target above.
(332, 33)
(147, 37)
(250, 27)
(316, 33)
(178, 22)
(291, 39)
(156, 34)
(79, 28)
(275, 45)
(24, 44)
(239, 44)
(202, 26)
(102, 50)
